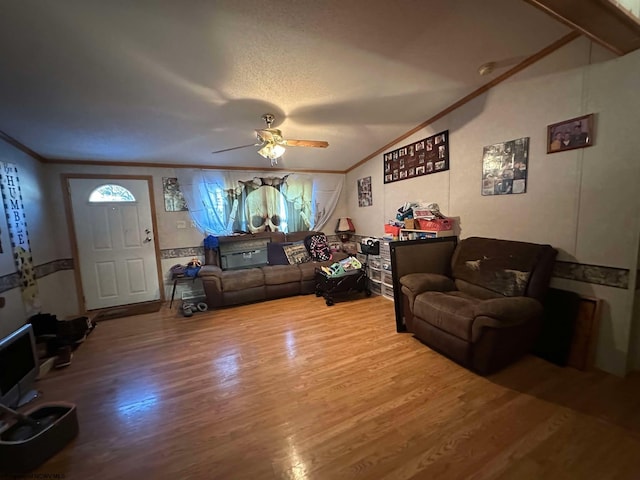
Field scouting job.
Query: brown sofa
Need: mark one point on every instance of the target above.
(246, 285)
(483, 308)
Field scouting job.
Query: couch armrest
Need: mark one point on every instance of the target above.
(503, 313)
(209, 271)
(417, 283)
(508, 309)
(211, 275)
(413, 284)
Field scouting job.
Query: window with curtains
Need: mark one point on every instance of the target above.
(222, 202)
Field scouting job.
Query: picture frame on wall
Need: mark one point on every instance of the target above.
(570, 134)
(424, 157)
(505, 166)
(364, 192)
(174, 201)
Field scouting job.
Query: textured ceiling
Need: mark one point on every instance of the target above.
(171, 81)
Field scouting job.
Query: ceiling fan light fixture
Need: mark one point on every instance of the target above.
(272, 144)
(272, 151)
(487, 68)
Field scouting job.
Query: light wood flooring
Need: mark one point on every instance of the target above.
(293, 389)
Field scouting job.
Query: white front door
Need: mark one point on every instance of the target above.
(114, 238)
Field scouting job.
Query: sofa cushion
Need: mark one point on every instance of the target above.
(279, 274)
(476, 290)
(296, 253)
(452, 312)
(232, 280)
(275, 253)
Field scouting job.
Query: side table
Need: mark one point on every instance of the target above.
(178, 278)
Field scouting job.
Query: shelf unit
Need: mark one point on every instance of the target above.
(411, 234)
(385, 274)
(379, 272)
(375, 274)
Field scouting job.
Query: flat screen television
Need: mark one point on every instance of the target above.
(19, 367)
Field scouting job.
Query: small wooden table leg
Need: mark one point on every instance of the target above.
(173, 292)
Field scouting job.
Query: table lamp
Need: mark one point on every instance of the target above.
(345, 228)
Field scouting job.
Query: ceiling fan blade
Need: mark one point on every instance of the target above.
(307, 143)
(270, 135)
(234, 148)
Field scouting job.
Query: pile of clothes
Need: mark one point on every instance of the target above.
(416, 210)
(59, 338)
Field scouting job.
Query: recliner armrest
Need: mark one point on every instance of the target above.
(504, 313)
(413, 284)
(508, 309)
(425, 282)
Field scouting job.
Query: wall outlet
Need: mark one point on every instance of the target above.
(181, 224)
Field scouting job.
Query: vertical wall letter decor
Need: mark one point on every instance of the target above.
(20, 246)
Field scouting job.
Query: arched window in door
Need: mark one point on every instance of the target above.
(111, 193)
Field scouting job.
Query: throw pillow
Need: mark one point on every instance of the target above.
(296, 253)
(275, 253)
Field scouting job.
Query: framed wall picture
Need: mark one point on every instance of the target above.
(504, 167)
(430, 155)
(574, 133)
(364, 192)
(173, 199)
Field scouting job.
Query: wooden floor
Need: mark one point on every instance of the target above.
(297, 390)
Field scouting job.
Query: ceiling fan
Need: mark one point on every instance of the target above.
(272, 144)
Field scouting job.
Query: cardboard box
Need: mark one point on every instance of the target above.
(435, 225)
(393, 230)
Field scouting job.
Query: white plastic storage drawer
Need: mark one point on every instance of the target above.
(376, 287)
(387, 291)
(375, 274)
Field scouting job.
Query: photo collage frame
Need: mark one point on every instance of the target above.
(424, 157)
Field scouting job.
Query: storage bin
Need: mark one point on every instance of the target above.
(24, 447)
(375, 287)
(387, 277)
(385, 251)
(392, 230)
(387, 291)
(375, 274)
(374, 261)
(435, 225)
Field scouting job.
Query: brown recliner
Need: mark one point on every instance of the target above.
(485, 312)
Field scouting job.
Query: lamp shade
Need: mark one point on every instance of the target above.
(345, 225)
(345, 228)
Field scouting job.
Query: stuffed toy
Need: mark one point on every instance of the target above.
(194, 262)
